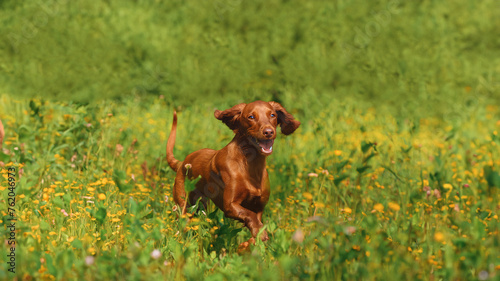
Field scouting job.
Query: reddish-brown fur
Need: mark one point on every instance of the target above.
(235, 177)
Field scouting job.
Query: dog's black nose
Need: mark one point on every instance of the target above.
(268, 133)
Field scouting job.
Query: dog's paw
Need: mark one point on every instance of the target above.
(264, 236)
(245, 246)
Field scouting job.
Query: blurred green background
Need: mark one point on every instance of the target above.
(437, 57)
(396, 98)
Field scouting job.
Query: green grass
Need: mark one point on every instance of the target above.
(393, 174)
(406, 54)
(353, 182)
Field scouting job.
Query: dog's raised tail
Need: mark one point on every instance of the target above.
(172, 162)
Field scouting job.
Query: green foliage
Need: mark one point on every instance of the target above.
(402, 55)
(374, 197)
(119, 177)
(393, 174)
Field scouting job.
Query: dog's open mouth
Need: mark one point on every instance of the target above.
(266, 146)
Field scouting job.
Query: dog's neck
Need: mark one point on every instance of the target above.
(255, 161)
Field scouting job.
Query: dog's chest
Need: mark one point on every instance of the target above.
(254, 203)
(257, 196)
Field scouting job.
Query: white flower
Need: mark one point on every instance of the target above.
(483, 275)
(156, 254)
(64, 212)
(89, 260)
(298, 236)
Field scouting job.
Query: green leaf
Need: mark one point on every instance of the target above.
(190, 184)
(341, 165)
(369, 157)
(133, 207)
(235, 231)
(492, 177)
(44, 225)
(149, 215)
(461, 243)
(67, 198)
(363, 169)
(58, 202)
(24, 132)
(339, 179)
(77, 244)
(119, 178)
(4, 157)
(50, 264)
(406, 150)
(365, 146)
(100, 215)
(34, 108)
(391, 171)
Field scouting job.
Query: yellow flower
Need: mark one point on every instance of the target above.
(438, 236)
(347, 210)
(319, 205)
(394, 206)
(307, 195)
(115, 219)
(102, 196)
(379, 207)
(447, 186)
(337, 152)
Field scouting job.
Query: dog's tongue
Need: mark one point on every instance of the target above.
(266, 145)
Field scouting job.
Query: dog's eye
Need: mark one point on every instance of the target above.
(273, 115)
(251, 117)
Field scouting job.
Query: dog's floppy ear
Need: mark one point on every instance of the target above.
(285, 120)
(231, 116)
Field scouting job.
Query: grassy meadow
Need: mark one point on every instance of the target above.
(394, 173)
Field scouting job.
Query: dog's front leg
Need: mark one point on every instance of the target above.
(235, 211)
(264, 235)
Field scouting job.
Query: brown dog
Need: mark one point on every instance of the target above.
(235, 177)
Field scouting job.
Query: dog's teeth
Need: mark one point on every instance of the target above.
(267, 150)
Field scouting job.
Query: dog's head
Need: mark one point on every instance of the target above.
(258, 121)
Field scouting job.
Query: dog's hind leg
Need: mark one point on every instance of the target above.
(179, 191)
(196, 195)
